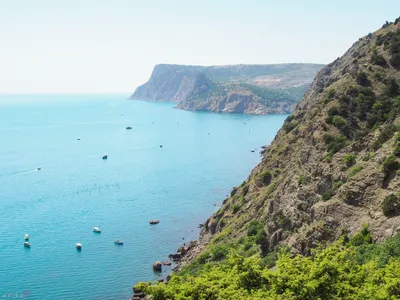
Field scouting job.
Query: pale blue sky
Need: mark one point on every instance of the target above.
(98, 46)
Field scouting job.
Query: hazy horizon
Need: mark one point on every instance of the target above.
(104, 47)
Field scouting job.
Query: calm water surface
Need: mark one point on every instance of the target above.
(203, 156)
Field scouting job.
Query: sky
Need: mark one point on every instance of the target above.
(99, 46)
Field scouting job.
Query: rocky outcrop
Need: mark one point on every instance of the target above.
(332, 168)
(250, 89)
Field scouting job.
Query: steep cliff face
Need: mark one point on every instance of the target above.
(334, 166)
(252, 89)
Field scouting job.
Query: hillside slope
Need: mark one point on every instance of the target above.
(332, 170)
(252, 89)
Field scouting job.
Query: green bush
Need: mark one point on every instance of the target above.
(349, 159)
(354, 171)
(334, 143)
(288, 127)
(328, 195)
(359, 269)
(337, 185)
(339, 122)
(235, 208)
(390, 164)
(391, 205)
(233, 192)
(385, 134)
(219, 252)
(361, 238)
(378, 59)
(266, 177)
(362, 79)
(254, 227)
(368, 156)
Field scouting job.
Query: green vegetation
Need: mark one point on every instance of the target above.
(289, 126)
(358, 269)
(386, 133)
(266, 177)
(328, 194)
(337, 185)
(353, 171)
(390, 164)
(368, 156)
(349, 159)
(334, 143)
(391, 205)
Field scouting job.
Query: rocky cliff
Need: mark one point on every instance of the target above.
(331, 174)
(252, 89)
(334, 165)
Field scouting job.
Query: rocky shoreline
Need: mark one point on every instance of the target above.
(183, 256)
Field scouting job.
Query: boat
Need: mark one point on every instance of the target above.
(27, 245)
(96, 229)
(128, 127)
(118, 242)
(78, 246)
(153, 222)
(26, 237)
(105, 157)
(39, 169)
(161, 146)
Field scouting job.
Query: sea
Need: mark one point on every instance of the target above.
(174, 166)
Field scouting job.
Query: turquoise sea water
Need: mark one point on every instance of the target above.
(203, 156)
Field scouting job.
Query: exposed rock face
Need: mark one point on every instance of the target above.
(251, 89)
(333, 165)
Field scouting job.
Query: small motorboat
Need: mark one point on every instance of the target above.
(26, 237)
(96, 230)
(78, 139)
(39, 169)
(161, 146)
(78, 246)
(27, 245)
(128, 127)
(118, 242)
(153, 222)
(104, 157)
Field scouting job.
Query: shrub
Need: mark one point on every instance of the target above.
(337, 185)
(245, 190)
(361, 238)
(362, 79)
(329, 96)
(368, 156)
(349, 159)
(378, 59)
(354, 171)
(390, 164)
(288, 127)
(339, 122)
(334, 143)
(235, 208)
(254, 227)
(328, 195)
(302, 179)
(396, 150)
(219, 252)
(233, 192)
(391, 205)
(266, 177)
(385, 134)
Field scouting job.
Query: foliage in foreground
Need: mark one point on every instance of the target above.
(358, 269)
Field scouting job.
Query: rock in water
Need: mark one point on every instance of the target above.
(157, 266)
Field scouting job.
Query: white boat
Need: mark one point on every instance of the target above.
(27, 245)
(96, 229)
(26, 237)
(119, 242)
(78, 246)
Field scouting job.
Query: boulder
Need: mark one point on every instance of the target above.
(157, 266)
